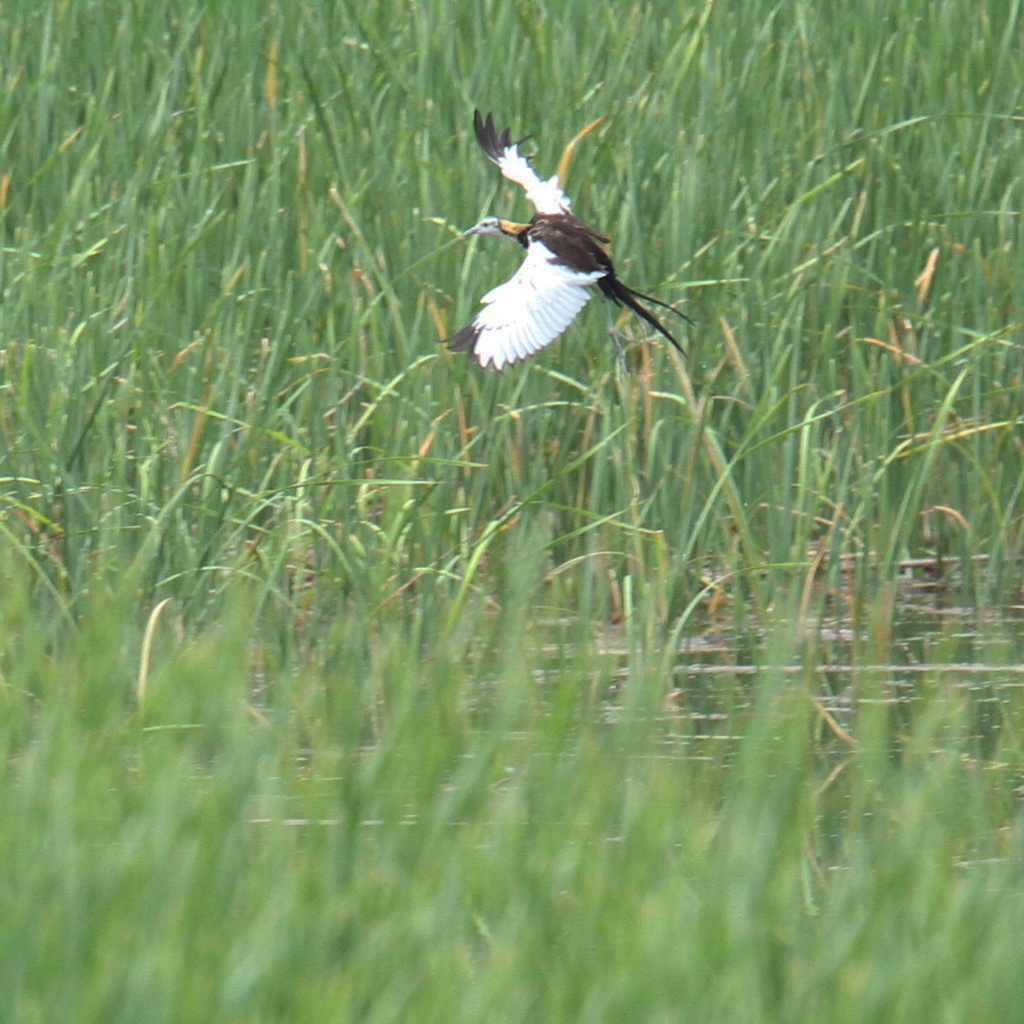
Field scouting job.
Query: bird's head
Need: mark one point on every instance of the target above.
(497, 226)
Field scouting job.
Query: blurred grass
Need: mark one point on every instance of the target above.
(229, 246)
(392, 836)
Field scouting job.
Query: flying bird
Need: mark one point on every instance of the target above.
(564, 258)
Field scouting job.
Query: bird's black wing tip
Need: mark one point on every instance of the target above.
(493, 144)
(464, 340)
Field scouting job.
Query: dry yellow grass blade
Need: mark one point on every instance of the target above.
(563, 163)
(923, 281)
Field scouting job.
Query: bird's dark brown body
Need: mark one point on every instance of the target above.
(574, 243)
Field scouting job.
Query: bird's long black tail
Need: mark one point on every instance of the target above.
(622, 294)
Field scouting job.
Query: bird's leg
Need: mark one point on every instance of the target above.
(620, 353)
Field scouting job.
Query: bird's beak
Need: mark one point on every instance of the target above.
(471, 231)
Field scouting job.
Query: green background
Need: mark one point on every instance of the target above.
(405, 741)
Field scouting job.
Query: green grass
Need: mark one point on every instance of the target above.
(230, 243)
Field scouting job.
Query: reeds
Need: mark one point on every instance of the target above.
(378, 758)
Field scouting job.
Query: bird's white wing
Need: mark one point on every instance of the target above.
(527, 312)
(546, 196)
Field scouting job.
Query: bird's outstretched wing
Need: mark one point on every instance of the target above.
(527, 312)
(546, 196)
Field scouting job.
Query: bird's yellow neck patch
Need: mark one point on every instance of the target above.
(510, 227)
